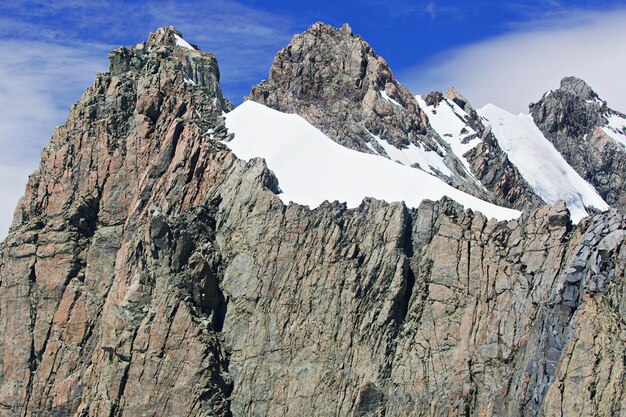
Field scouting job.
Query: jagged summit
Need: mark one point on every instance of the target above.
(168, 36)
(590, 135)
(578, 87)
(167, 53)
(326, 63)
(336, 81)
(453, 94)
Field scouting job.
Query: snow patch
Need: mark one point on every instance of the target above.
(541, 165)
(311, 168)
(181, 42)
(429, 161)
(616, 129)
(384, 95)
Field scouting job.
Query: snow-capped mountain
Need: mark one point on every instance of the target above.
(588, 133)
(541, 165)
(334, 80)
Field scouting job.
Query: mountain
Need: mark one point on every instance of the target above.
(156, 267)
(454, 119)
(311, 168)
(336, 81)
(590, 136)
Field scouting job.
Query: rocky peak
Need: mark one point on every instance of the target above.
(578, 88)
(166, 52)
(325, 63)
(167, 36)
(576, 120)
(337, 82)
(454, 95)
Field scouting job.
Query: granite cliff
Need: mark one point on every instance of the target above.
(149, 271)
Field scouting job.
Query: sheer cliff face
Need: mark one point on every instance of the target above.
(572, 118)
(89, 280)
(150, 272)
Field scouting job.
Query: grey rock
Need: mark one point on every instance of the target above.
(336, 81)
(571, 118)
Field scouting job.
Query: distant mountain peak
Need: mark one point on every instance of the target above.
(455, 95)
(587, 133)
(578, 87)
(336, 81)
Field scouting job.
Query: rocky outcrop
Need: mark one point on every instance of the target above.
(492, 167)
(572, 118)
(336, 81)
(150, 272)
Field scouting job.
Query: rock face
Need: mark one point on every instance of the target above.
(107, 308)
(336, 81)
(572, 118)
(150, 272)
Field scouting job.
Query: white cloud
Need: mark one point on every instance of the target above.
(514, 70)
(12, 183)
(38, 83)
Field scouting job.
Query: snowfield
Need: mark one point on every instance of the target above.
(616, 129)
(448, 120)
(541, 165)
(311, 168)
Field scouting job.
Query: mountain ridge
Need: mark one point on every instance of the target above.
(151, 271)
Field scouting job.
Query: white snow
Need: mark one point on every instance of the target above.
(181, 42)
(311, 168)
(448, 119)
(616, 129)
(384, 95)
(371, 148)
(541, 165)
(427, 160)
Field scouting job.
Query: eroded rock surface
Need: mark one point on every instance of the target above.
(150, 272)
(572, 118)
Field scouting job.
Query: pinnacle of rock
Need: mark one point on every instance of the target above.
(336, 81)
(165, 36)
(453, 94)
(578, 87)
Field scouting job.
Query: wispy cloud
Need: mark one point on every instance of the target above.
(38, 82)
(51, 51)
(517, 68)
(403, 8)
(243, 38)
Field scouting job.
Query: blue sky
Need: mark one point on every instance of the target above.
(507, 52)
(246, 34)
